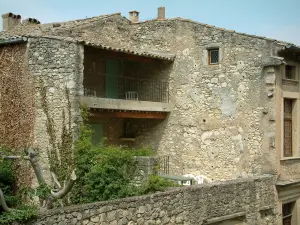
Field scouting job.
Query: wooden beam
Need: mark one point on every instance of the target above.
(138, 115)
(103, 53)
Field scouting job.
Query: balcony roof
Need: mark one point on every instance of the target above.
(155, 54)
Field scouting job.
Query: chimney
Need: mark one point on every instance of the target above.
(30, 21)
(134, 16)
(9, 20)
(161, 13)
(17, 20)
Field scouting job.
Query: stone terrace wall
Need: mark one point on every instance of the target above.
(250, 201)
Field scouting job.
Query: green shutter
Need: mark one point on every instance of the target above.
(113, 70)
(98, 133)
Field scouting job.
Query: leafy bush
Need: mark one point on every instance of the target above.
(22, 213)
(13, 198)
(156, 183)
(106, 172)
(7, 181)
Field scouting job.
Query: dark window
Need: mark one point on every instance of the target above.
(290, 72)
(287, 210)
(213, 56)
(288, 128)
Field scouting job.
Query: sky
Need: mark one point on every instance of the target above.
(278, 19)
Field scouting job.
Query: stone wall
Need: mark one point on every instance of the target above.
(222, 125)
(245, 201)
(219, 126)
(57, 70)
(289, 166)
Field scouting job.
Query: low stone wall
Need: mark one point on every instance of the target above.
(244, 201)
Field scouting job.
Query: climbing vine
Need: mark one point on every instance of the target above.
(60, 152)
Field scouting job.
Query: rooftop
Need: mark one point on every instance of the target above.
(74, 31)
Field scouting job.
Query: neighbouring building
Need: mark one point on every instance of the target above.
(218, 103)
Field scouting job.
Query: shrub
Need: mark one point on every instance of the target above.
(107, 172)
(156, 183)
(13, 198)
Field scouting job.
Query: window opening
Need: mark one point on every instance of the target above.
(287, 213)
(290, 72)
(213, 56)
(288, 131)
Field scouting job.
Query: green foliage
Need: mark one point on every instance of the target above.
(7, 181)
(107, 172)
(43, 191)
(104, 172)
(156, 183)
(22, 213)
(13, 199)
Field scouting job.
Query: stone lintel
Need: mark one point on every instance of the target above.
(227, 217)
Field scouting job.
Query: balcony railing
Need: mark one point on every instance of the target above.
(290, 85)
(115, 87)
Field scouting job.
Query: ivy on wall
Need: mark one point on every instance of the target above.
(60, 151)
(17, 112)
(17, 108)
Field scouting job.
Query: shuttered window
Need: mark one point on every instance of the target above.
(288, 128)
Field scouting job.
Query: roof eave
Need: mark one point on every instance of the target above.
(13, 41)
(170, 57)
(293, 48)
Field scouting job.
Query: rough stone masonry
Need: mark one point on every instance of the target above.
(239, 202)
(222, 125)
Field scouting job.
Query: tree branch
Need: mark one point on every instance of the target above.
(54, 177)
(36, 167)
(63, 192)
(31, 156)
(66, 189)
(15, 157)
(3, 202)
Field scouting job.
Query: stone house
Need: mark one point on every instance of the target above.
(218, 103)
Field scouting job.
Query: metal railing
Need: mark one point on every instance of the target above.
(164, 165)
(129, 88)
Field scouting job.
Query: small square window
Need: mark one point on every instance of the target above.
(290, 72)
(213, 56)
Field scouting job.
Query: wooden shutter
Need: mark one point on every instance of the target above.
(98, 133)
(288, 125)
(113, 71)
